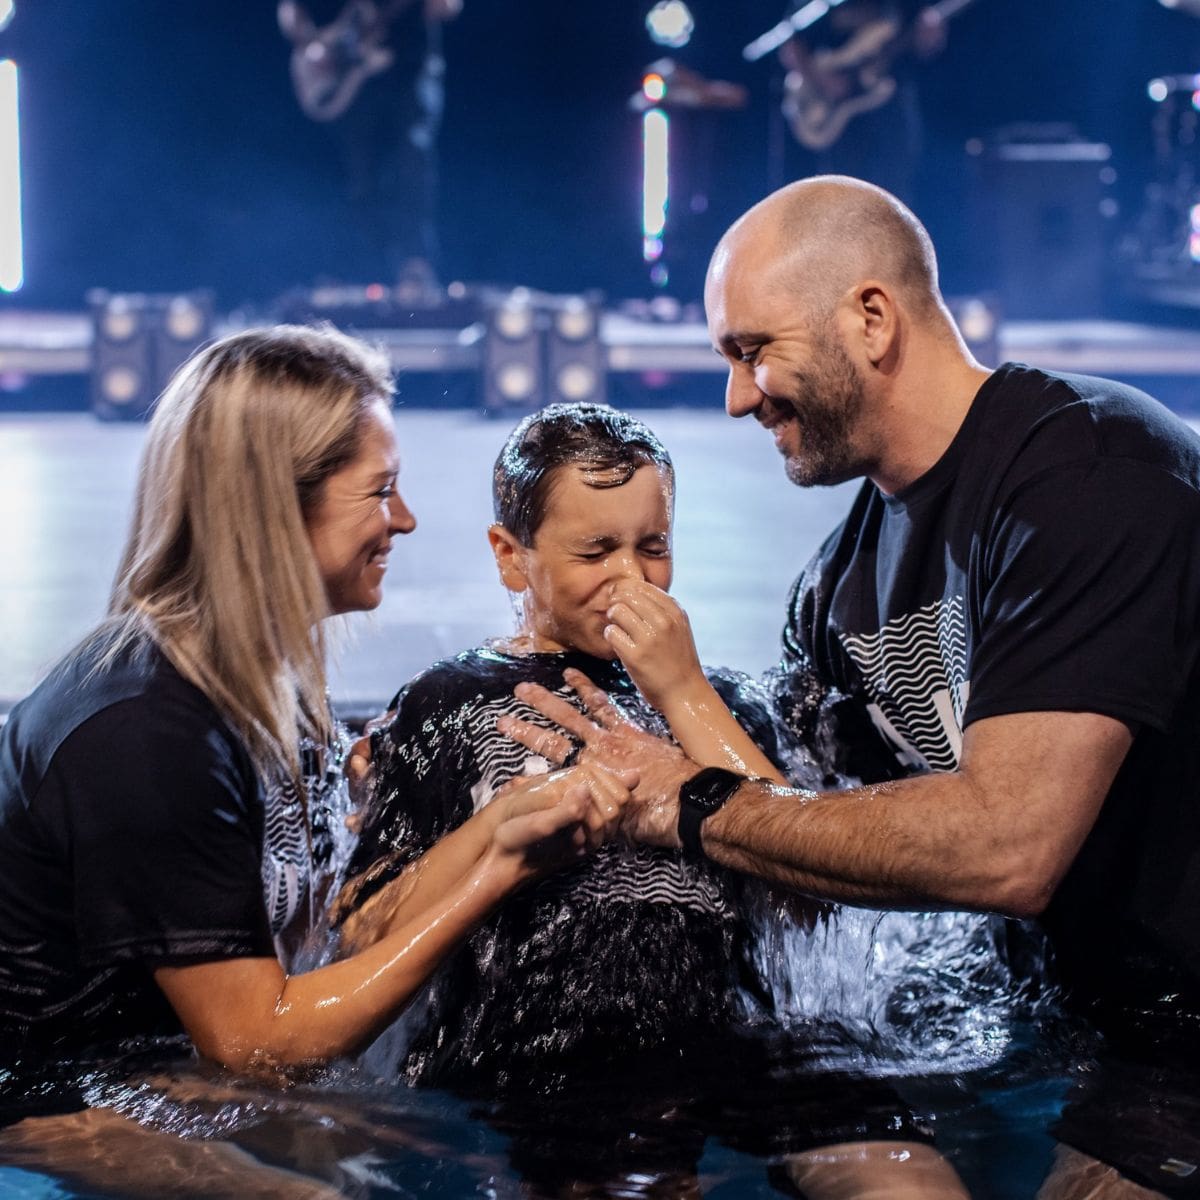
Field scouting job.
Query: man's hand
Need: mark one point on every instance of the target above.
(653, 638)
(611, 740)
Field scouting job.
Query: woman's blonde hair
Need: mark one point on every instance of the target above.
(218, 570)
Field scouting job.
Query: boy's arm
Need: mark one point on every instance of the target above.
(652, 637)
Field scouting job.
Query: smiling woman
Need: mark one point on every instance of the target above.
(359, 513)
(138, 782)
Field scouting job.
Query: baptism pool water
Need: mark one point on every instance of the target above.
(934, 1016)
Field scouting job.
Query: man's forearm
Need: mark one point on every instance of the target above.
(922, 843)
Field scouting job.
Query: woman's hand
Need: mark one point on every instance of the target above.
(653, 638)
(547, 821)
(609, 739)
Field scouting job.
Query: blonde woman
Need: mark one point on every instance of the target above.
(132, 790)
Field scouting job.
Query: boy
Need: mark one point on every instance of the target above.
(625, 976)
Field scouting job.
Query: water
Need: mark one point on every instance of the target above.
(937, 1017)
(940, 1014)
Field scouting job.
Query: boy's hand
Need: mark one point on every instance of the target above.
(653, 638)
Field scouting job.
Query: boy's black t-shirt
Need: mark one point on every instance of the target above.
(131, 837)
(632, 951)
(1049, 561)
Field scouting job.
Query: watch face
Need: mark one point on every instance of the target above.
(707, 791)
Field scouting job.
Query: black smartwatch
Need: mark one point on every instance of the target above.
(699, 798)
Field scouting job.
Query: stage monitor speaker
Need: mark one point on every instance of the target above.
(138, 342)
(576, 365)
(1042, 220)
(513, 353)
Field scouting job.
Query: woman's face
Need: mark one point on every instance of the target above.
(359, 512)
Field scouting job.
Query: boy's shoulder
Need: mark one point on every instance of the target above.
(489, 671)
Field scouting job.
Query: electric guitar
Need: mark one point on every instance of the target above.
(329, 65)
(827, 89)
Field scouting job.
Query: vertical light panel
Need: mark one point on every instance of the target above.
(12, 267)
(655, 181)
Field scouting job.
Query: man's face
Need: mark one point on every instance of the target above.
(789, 370)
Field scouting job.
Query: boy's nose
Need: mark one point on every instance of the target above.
(626, 566)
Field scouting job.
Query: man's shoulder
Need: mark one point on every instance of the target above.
(1053, 418)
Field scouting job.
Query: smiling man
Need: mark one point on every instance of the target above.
(1013, 603)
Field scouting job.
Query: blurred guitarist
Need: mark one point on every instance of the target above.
(850, 95)
(372, 72)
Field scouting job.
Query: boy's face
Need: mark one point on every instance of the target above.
(590, 539)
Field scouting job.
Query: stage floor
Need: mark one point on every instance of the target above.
(742, 534)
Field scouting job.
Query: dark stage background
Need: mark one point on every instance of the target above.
(164, 150)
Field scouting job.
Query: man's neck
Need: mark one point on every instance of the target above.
(922, 414)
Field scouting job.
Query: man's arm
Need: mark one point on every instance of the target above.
(996, 835)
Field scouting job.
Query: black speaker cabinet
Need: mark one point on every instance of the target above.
(1042, 216)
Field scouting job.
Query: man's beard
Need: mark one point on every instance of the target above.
(826, 404)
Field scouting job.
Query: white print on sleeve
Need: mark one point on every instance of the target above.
(915, 673)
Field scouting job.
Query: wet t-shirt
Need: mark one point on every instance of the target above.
(630, 951)
(131, 837)
(1049, 561)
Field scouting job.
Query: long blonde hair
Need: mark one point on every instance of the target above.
(218, 570)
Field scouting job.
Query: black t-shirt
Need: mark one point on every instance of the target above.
(634, 950)
(131, 837)
(1050, 560)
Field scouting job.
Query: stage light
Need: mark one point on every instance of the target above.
(575, 320)
(118, 321)
(12, 257)
(120, 385)
(656, 184)
(654, 87)
(7, 12)
(516, 381)
(1157, 90)
(514, 318)
(185, 320)
(575, 382)
(978, 320)
(670, 23)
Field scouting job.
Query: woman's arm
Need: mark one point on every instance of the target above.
(653, 638)
(248, 1012)
(454, 854)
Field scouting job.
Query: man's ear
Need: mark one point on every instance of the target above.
(874, 320)
(507, 550)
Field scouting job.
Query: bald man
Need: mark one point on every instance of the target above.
(1013, 602)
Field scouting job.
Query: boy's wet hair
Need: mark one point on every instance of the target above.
(607, 444)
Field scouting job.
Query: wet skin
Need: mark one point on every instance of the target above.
(358, 514)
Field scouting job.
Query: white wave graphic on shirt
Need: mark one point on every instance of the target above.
(915, 673)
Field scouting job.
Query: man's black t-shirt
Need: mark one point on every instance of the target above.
(632, 951)
(1050, 560)
(131, 837)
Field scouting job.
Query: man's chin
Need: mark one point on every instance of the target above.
(804, 472)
